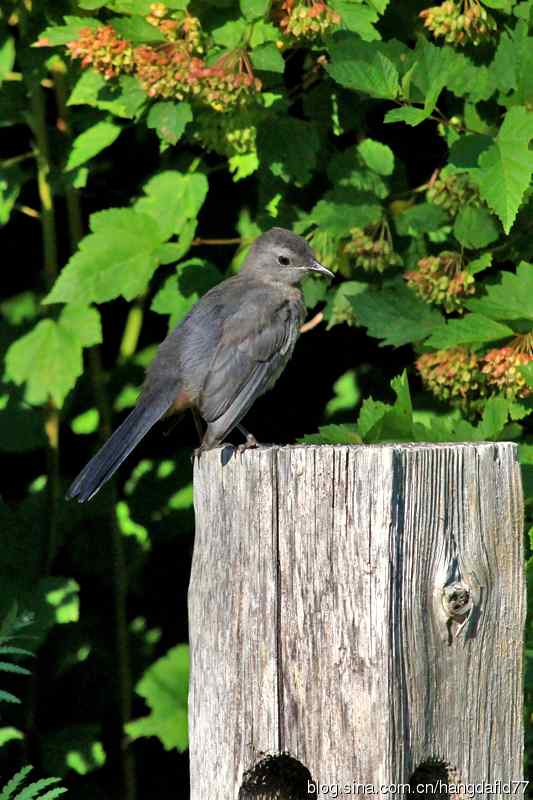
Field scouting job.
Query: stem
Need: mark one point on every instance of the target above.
(48, 226)
(123, 756)
(198, 242)
(10, 162)
(75, 220)
(29, 212)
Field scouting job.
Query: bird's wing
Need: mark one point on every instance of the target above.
(255, 345)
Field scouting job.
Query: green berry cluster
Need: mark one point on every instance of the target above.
(442, 281)
(228, 134)
(462, 22)
(303, 19)
(454, 376)
(372, 253)
(452, 192)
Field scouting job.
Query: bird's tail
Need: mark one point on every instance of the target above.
(108, 459)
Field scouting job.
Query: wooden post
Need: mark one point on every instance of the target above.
(360, 609)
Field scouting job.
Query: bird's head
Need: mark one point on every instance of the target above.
(284, 256)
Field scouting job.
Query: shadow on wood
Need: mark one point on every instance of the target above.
(360, 608)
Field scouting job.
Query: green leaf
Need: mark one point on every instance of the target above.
(164, 686)
(7, 54)
(92, 141)
(63, 34)
(268, 58)
(511, 298)
(513, 66)
(243, 165)
(73, 747)
(332, 434)
(396, 316)
(137, 30)
(290, 148)
(11, 181)
(527, 371)
(358, 18)
(10, 734)
(9, 650)
(16, 781)
(47, 360)
(33, 791)
(181, 291)
(7, 697)
(86, 423)
(378, 422)
(470, 329)
(83, 323)
(420, 219)
(362, 66)
(347, 394)
(465, 152)
(505, 169)
(261, 32)
(254, 9)
(339, 308)
(117, 259)
(475, 228)
(314, 291)
(379, 157)
(231, 34)
(173, 199)
(345, 208)
(169, 120)
(433, 65)
(123, 98)
(408, 114)
(7, 666)
(346, 169)
(480, 264)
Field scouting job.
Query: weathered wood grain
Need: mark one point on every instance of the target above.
(361, 607)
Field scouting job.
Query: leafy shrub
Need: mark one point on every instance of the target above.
(396, 138)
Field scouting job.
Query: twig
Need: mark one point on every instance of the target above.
(312, 323)
(29, 212)
(198, 242)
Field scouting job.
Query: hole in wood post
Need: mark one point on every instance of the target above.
(277, 777)
(436, 779)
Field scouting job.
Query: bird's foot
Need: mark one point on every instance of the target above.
(250, 443)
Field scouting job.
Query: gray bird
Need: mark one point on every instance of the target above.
(229, 350)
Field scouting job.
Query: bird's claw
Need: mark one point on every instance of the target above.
(250, 444)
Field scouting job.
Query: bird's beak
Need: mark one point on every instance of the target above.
(315, 266)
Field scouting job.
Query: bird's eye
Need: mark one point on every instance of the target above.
(284, 261)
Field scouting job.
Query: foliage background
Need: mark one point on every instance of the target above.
(385, 143)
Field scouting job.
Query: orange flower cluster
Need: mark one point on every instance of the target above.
(301, 19)
(455, 376)
(173, 69)
(501, 369)
(462, 377)
(459, 23)
(440, 280)
(103, 50)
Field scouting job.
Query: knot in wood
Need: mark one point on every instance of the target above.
(457, 600)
